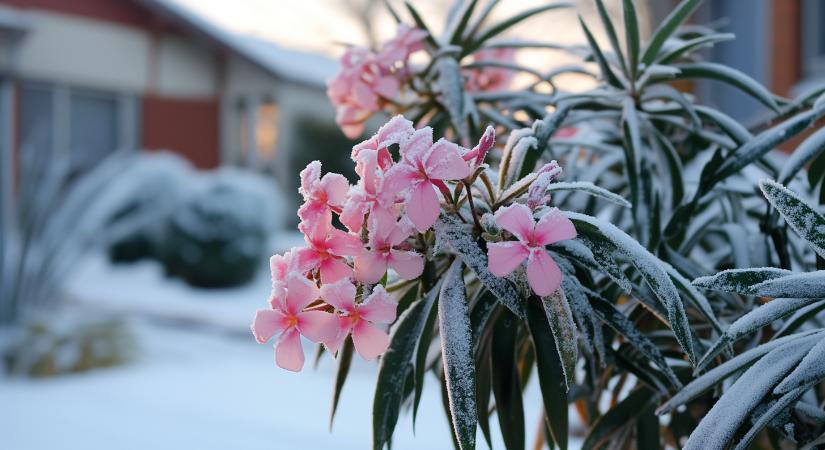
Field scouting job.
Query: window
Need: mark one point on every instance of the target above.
(258, 132)
(84, 124)
(813, 38)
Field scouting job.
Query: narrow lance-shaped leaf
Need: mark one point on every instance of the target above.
(730, 76)
(344, 362)
(807, 151)
(610, 30)
(457, 355)
(506, 384)
(604, 66)
(667, 27)
(800, 285)
(739, 280)
(810, 370)
(451, 231)
(500, 27)
(564, 333)
(395, 367)
(776, 408)
(631, 27)
(589, 188)
(808, 224)
(617, 417)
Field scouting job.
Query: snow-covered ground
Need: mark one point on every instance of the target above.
(199, 380)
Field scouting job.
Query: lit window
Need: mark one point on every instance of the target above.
(263, 134)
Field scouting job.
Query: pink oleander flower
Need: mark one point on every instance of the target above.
(359, 319)
(543, 274)
(423, 169)
(326, 249)
(287, 317)
(280, 266)
(360, 88)
(386, 241)
(321, 195)
(537, 193)
(371, 195)
(407, 41)
(479, 152)
(490, 78)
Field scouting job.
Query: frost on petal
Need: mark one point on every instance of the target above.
(370, 266)
(334, 269)
(306, 259)
(407, 264)
(504, 257)
(310, 175)
(423, 206)
(394, 131)
(342, 328)
(369, 341)
(340, 294)
(543, 274)
(335, 186)
(400, 178)
(379, 307)
(288, 352)
(444, 162)
(299, 293)
(344, 244)
(355, 207)
(554, 227)
(317, 326)
(267, 323)
(416, 146)
(517, 219)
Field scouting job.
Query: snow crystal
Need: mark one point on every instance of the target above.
(809, 224)
(811, 369)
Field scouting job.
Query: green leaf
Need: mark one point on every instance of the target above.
(603, 251)
(454, 36)
(809, 371)
(807, 151)
(631, 28)
(457, 355)
(483, 392)
(561, 323)
(550, 374)
(604, 66)
(649, 267)
(693, 44)
(507, 23)
(452, 232)
(344, 362)
(506, 385)
(420, 365)
(617, 417)
(776, 408)
(395, 367)
(610, 30)
(589, 188)
(808, 224)
(667, 27)
(419, 22)
(798, 285)
(730, 76)
(739, 280)
(727, 124)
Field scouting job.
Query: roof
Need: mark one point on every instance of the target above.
(296, 66)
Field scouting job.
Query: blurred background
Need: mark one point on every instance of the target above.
(150, 152)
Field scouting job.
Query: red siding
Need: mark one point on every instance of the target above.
(785, 46)
(187, 127)
(120, 11)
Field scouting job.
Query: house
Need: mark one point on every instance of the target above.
(88, 77)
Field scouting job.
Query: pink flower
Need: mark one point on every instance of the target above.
(479, 152)
(321, 195)
(424, 168)
(379, 307)
(490, 78)
(543, 274)
(287, 317)
(326, 248)
(537, 194)
(386, 239)
(407, 41)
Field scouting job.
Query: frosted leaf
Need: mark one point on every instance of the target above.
(564, 332)
(754, 320)
(457, 355)
(808, 224)
(449, 86)
(811, 369)
(510, 156)
(810, 285)
(768, 417)
(696, 297)
(450, 231)
(806, 152)
(739, 280)
(586, 318)
(716, 375)
(602, 252)
(650, 268)
(719, 425)
(590, 188)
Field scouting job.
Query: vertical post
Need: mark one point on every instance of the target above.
(7, 209)
(251, 104)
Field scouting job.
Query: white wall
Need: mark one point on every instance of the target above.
(186, 68)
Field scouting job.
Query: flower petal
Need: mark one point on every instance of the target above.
(344, 244)
(335, 186)
(516, 219)
(340, 294)
(444, 162)
(416, 146)
(370, 266)
(379, 307)
(299, 293)
(554, 227)
(310, 174)
(407, 264)
(369, 341)
(334, 269)
(317, 326)
(400, 178)
(543, 274)
(267, 323)
(288, 352)
(423, 206)
(504, 257)
(342, 329)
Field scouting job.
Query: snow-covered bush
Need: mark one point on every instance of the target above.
(448, 239)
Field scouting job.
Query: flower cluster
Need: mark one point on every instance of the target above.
(490, 78)
(368, 80)
(327, 290)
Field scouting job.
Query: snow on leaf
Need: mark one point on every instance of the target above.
(602, 251)
(809, 224)
(650, 268)
(457, 355)
(586, 318)
(810, 370)
(739, 280)
(765, 419)
(451, 231)
(694, 295)
(800, 285)
(805, 153)
(590, 188)
(719, 425)
(564, 332)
